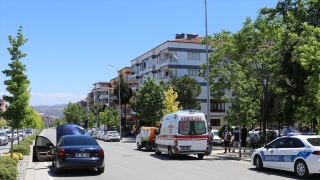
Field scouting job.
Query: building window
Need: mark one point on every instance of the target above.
(193, 56)
(215, 122)
(193, 72)
(217, 106)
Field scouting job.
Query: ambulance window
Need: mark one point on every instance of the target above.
(184, 127)
(199, 127)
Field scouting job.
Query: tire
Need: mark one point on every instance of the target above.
(138, 146)
(100, 170)
(200, 156)
(170, 153)
(55, 169)
(258, 162)
(301, 169)
(156, 150)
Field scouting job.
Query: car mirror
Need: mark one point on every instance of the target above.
(49, 145)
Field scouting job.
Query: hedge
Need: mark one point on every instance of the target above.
(22, 148)
(8, 168)
(15, 156)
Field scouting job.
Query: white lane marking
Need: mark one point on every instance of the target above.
(50, 173)
(125, 168)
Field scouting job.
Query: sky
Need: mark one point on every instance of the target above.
(71, 42)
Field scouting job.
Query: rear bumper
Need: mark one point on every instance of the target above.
(177, 151)
(80, 164)
(113, 138)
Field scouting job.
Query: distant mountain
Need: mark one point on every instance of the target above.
(55, 110)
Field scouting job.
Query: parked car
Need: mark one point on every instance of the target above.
(29, 131)
(111, 136)
(271, 135)
(3, 138)
(216, 138)
(254, 138)
(100, 135)
(95, 134)
(21, 133)
(71, 152)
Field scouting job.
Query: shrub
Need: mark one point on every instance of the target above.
(28, 140)
(15, 156)
(7, 161)
(25, 143)
(8, 168)
(19, 155)
(22, 148)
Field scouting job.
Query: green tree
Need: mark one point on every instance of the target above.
(59, 122)
(294, 75)
(3, 123)
(170, 103)
(91, 120)
(150, 98)
(74, 113)
(125, 95)
(18, 84)
(307, 53)
(188, 90)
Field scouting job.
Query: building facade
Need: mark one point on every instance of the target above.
(175, 58)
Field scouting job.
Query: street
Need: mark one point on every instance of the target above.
(124, 161)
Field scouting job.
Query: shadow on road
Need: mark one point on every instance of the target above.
(165, 157)
(280, 173)
(72, 172)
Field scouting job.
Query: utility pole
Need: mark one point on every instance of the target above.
(207, 71)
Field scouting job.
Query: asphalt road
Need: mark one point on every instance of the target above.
(123, 161)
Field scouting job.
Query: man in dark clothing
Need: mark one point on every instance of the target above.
(244, 135)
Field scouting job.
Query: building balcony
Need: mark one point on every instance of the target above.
(105, 97)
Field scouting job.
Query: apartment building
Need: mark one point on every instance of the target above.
(102, 92)
(175, 58)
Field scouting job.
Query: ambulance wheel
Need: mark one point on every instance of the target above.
(258, 162)
(138, 146)
(200, 156)
(301, 169)
(156, 150)
(170, 153)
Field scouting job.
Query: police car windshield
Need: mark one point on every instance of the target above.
(314, 141)
(192, 127)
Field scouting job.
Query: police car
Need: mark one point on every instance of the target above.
(299, 153)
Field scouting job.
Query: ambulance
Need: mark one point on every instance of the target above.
(182, 133)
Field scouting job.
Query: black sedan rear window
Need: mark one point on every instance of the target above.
(78, 141)
(314, 141)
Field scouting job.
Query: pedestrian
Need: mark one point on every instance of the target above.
(244, 135)
(288, 130)
(227, 139)
(132, 133)
(236, 138)
(210, 139)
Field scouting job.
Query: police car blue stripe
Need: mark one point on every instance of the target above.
(284, 158)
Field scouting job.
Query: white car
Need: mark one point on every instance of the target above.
(112, 136)
(296, 153)
(100, 136)
(216, 138)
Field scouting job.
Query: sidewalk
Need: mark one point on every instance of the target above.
(245, 156)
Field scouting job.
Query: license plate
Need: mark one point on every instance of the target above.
(185, 148)
(82, 155)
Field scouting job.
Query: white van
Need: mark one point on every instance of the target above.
(183, 132)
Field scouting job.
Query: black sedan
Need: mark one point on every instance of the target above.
(71, 152)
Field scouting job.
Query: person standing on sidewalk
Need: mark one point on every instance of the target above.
(227, 139)
(210, 139)
(236, 138)
(244, 135)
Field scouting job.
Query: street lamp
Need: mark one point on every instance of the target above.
(119, 97)
(207, 71)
